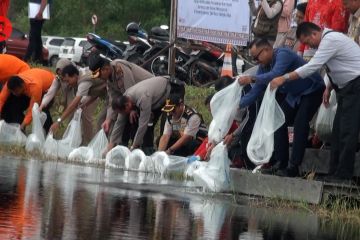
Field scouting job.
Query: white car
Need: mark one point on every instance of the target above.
(53, 43)
(72, 49)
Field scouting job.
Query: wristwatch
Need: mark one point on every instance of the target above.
(287, 77)
(59, 120)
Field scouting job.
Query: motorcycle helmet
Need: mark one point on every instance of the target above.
(132, 27)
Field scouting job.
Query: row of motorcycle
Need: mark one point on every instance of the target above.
(196, 62)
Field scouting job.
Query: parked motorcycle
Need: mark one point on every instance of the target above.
(110, 49)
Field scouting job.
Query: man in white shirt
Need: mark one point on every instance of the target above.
(341, 57)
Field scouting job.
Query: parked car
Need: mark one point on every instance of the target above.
(17, 45)
(72, 49)
(53, 43)
(85, 54)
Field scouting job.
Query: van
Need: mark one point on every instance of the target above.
(72, 49)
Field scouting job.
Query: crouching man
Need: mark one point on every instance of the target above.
(184, 129)
(28, 87)
(140, 104)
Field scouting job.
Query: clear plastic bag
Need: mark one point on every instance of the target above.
(176, 164)
(325, 119)
(11, 134)
(189, 171)
(93, 152)
(224, 103)
(36, 139)
(147, 165)
(133, 160)
(115, 158)
(214, 175)
(71, 139)
(161, 160)
(270, 118)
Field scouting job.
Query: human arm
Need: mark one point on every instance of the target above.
(145, 114)
(5, 93)
(39, 15)
(272, 11)
(50, 94)
(287, 8)
(179, 143)
(68, 111)
(164, 140)
(252, 6)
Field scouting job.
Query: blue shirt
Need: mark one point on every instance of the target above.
(284, 61)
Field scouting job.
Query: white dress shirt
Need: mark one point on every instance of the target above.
(341, 55)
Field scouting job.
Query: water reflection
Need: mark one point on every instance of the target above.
(48, 200)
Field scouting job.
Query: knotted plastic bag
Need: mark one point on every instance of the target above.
(115, 158)
(270, 118)
(11, 134)
(224, 105)
(161, 160)
(189, 171)
(147, 165)
(325, 118)
(214, 175)
(36, 139)
(93, 152)
(71, 139)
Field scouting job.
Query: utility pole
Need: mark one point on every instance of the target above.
(173, 24)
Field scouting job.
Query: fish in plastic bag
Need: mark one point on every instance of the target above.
(36, 139)
(270, 118)
(189, 171)
(11, 134)
(115, 158)
(71, 139)
(214, 175)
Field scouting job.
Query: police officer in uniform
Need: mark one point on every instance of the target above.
(184, 129)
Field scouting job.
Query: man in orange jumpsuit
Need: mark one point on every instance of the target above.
(28, 88)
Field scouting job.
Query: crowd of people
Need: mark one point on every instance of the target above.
(292, 55)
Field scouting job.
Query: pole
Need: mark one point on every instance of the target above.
(173, 23)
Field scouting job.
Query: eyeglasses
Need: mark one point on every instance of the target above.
(256, 58)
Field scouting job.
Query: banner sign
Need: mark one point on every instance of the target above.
(218, 21)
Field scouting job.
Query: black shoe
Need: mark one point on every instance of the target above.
(288, 172)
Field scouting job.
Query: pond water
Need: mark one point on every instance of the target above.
(53, 200)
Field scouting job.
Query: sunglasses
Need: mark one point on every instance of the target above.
(256, 58)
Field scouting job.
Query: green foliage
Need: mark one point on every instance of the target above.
(73, 18)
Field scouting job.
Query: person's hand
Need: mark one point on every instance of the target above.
(39, 16)
(54, 127)
(277, 82)
(228, 139)
(326, 97)
(106, 125)
(133, 117)
(41, 108)
(22, 127)
(245, 80)
(209, 148)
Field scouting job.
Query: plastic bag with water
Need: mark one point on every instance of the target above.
(214, 175)
(325, 119)
(93, 152)
(133, 160)
(36, 139)
(71, 139)
(11, 134)
(270, 118)
(115, 158)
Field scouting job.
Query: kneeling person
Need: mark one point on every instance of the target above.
(183, 129)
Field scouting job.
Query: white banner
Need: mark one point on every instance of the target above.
(219, 21)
